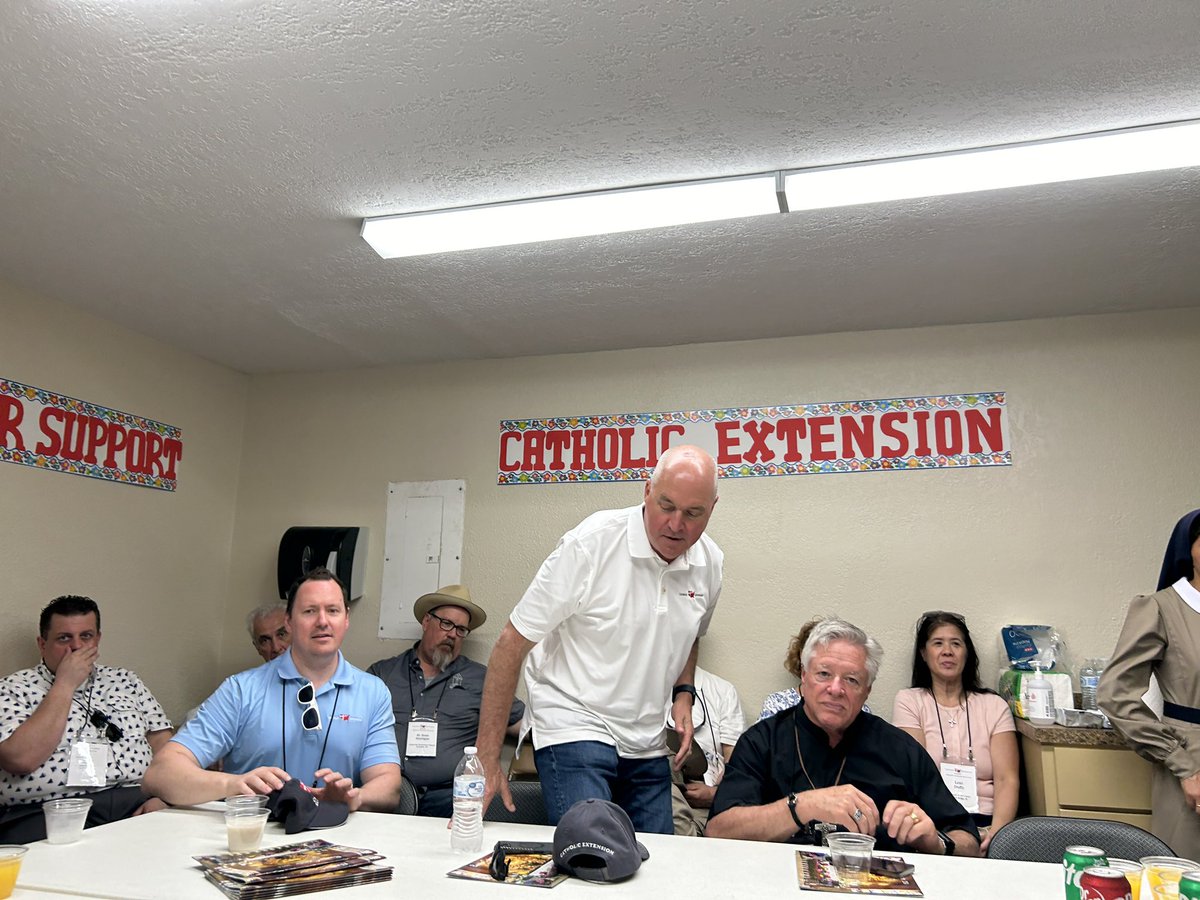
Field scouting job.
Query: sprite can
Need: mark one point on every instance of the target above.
(1189, 886)
(1075, 860)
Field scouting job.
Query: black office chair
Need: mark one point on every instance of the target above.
(527, 797)
(1043, 839)
(408, 798)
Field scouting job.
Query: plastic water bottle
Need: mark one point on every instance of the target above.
(466, 829)
(1089, 680)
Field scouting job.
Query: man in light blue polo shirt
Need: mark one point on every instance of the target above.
(307, 714)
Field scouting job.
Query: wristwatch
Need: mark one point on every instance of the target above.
(947, 843)
(684, 689)
(791, 798)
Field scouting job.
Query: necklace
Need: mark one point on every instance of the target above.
(804, 769)
(937, 707)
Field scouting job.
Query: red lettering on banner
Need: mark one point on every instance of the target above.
(531, 460)
(921, 419)
(11, 413)
(651, 446)
(819, 438)
(887, 424)
(759, 451)
(858, 439)
(947, 430)
(728, 453)
(154, 448)
(609, 448)
(135, 452)
(558, 441)
(505, 438)
(53, 442)
(792, 430)
(97, 434)
(173, 450)
(118, 439)
(666, 437)
(988, 428)
(74, 433)
(584, 444)
(628, 461)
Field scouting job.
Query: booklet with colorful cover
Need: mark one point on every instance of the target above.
(817, 873)
(529, 869)
(292, 869)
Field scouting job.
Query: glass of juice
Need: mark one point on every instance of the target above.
(10, 865)
(1133, 873)
(1161, 874)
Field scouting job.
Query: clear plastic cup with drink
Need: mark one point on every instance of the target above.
(1132, 870)
(1161, 874)
(244, 828)
(850, 853)
(65, 819)
(10, 866)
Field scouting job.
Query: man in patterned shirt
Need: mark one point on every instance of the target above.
(70, 727)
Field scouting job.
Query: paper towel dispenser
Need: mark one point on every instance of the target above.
(341, 550)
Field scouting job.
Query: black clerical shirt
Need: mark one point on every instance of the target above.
(880, 760)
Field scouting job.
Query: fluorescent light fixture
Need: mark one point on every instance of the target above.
(1146, 149)
(575, 215)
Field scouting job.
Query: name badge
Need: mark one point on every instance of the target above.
(88, 766)
(422, 738)
(961, 782)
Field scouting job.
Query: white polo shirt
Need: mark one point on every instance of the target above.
(613, 624)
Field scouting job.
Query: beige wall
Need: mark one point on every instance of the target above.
(156, 562)
(1101, 414)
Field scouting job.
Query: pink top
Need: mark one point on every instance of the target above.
(989, 714)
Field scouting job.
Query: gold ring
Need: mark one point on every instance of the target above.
(914, 817)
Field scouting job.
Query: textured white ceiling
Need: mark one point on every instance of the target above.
(197, 169)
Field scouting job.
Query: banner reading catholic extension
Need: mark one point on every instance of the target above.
(62, 434)
(950, 431)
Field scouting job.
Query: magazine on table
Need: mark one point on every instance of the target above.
(528, 869)
(816, 872)
(292, 869)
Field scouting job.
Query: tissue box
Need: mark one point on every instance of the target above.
(1012, 689)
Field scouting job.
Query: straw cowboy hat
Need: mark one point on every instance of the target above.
(450, 595)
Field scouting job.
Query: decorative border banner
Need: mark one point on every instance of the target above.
(63, 434)
(949, 431)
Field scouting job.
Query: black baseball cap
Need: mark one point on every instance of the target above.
(594, 841)
(299, 809)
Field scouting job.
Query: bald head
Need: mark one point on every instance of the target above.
(679, 499)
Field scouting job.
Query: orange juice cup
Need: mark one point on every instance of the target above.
(10, 865)
(1161, 874)
(1133, 873)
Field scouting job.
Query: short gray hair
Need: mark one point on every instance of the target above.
(261, 611)
(699, 458)
(833, 629)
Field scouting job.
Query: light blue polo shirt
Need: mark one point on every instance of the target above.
(254, 715)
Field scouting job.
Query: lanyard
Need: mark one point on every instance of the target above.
(967, 710)
(800, 756)
(283, 685)
(717, 748)
(412, 699)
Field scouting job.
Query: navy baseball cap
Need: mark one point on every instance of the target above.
(594, 841)
(299, 809)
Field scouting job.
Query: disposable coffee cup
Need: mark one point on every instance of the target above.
(10, 867)
(850, 853)
(65, 819)
(244, 828)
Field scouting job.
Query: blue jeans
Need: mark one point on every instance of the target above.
(585, 770)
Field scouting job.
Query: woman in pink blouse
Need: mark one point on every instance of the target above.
(967, 729)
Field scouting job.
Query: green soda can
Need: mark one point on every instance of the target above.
(1189, 886)
(1075, 860)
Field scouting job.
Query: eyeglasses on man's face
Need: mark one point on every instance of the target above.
(112, 732)
(446, 625)
(849, 682)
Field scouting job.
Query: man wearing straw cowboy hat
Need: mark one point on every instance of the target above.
(436, 693)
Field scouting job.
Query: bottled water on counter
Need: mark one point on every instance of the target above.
(466, 829)
(1089, 680)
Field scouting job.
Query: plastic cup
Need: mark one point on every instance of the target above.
(1161, 874)
(246, 801)
(1132, 872)
(10, 866)
(65, 819)
(851, 855)
(244, 828)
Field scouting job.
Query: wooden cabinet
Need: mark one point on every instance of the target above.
(1086, 773)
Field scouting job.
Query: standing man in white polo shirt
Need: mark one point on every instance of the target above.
(611, 625)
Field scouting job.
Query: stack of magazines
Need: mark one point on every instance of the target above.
(292, 869)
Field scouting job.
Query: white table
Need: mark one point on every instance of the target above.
(150, 857)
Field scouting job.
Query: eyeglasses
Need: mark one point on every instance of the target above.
(853, 682)
(934, 613)
(311, 717)
(446, 625)
(111, 730)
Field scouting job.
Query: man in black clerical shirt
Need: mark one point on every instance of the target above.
(826, 762)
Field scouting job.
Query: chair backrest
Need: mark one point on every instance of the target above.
(1044, 838)
(527, 797)
(408, 798)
